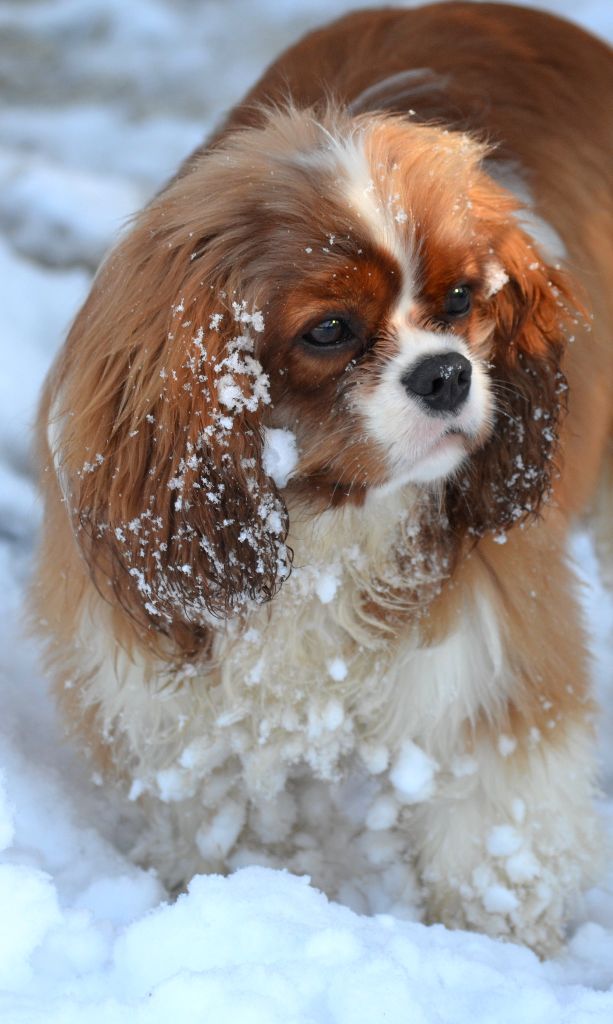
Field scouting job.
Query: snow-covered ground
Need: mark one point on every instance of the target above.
(101, 100)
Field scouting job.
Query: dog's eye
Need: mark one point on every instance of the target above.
(458, 301)
(329, 333)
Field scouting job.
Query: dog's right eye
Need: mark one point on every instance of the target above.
(329, 333)
(458, 301)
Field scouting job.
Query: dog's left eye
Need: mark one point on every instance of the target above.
(458, 301)
(329, 333)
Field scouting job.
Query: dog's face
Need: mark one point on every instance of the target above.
(393, 281)
(379, 320)
(361, 282)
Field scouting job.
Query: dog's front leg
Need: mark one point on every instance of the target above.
(506, 847)
(509, 836)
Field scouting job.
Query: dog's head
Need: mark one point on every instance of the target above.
(358, 281)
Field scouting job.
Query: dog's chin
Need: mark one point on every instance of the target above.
(438, 463)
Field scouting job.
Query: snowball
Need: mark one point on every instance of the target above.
(326, 586)
(503, 840)
(171, 783)
(280, 454)
(495, 278)
(325, 719)
(413, 774)
(522, 867)
(375, 758)
(333, 715)
(383, 813)
(497, 899)
(337, 669)
(230, 393)
(506, 745)
(136, 789)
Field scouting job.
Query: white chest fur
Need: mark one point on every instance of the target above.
(319, 727)
(326, 744)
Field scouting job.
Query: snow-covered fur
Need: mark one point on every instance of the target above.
(322, 744)
(307, 598)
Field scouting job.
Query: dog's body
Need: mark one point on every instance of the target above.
(415, 693)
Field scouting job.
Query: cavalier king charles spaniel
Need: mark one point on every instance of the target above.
(309, 475)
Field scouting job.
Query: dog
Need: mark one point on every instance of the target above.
(310, 457)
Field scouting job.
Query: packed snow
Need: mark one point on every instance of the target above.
(102, 100)
(280, 455)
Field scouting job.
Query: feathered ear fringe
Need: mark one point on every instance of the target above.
(158, 402)
(508, 480)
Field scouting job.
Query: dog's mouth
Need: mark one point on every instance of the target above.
(441, 458)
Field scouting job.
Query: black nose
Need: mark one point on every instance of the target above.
(442, 382)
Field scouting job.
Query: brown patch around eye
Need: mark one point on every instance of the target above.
(357, 290)
(311, 388)
(447, 274)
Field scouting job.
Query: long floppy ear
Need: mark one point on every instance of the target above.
(508, 480)
(157, 409)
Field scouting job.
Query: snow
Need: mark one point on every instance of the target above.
(383, 813)
(506, 745)
(496, 279)
(413, 773)
(7, 825)
(280, 454)
(102, 100)
(375, 758)
(62, 211)
(499, 900)
(337, 669)
(232, 392)
(503, 840)
(326, 586)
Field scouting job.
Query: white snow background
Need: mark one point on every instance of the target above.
(100, 99)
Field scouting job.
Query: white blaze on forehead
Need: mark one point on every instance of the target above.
(373, 193)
